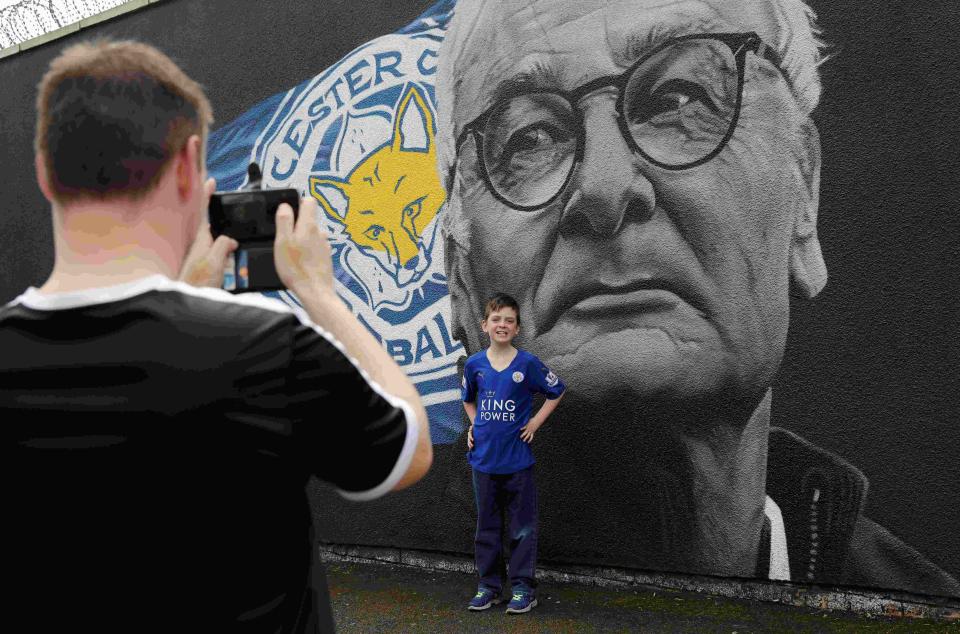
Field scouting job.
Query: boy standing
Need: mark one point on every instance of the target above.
(498, 387)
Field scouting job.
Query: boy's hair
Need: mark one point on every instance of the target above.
(498, 301)
(111, 115)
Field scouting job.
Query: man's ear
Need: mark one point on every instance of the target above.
(187, 166)
(808, 272)
(43, 178)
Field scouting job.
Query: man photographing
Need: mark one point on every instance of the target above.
(163, 432)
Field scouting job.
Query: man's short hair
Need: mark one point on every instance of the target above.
(498, 301)
(111, 115)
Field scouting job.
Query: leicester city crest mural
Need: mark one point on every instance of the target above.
(359, 137)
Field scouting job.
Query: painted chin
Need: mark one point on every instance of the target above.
(673, 352)
(639, 364)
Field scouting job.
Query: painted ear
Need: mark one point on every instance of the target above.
(808, 271)
(332, 196)
(413, 124)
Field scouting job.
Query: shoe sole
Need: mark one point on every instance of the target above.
(483, 607)
(532, 605)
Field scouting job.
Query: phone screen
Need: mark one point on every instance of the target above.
(249, 217)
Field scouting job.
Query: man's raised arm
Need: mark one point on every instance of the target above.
(302, 255)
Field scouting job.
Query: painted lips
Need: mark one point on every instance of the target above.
(651, 300)
(645, 297)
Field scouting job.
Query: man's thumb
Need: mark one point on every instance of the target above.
(284, 220)
(222, 247)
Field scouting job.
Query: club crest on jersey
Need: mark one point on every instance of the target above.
(552, 379)
(518, 377)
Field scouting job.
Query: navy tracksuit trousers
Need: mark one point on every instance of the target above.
(510, 496)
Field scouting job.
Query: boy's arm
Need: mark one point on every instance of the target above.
(471, 409)
(528, 430)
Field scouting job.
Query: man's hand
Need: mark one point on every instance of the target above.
(301, 251)
(207, 258)
(528, 430)
(470, 437)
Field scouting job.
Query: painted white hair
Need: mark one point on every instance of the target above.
(798, 42)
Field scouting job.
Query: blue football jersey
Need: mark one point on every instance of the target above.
(504, 401)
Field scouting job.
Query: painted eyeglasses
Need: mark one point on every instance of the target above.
(677, 107)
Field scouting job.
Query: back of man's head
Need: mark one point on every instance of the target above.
(110, 116)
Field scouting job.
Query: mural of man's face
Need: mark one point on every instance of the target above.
(640, 282)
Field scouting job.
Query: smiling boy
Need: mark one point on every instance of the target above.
(498, 388)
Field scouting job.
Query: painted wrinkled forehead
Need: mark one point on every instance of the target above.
(571, 41)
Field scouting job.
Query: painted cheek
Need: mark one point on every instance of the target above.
(514, 246)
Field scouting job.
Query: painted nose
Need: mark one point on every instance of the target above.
(412, 263)
(609, 184)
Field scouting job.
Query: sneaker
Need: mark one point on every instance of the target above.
(483, 599)
(521, 601)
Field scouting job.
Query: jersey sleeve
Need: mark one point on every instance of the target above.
(543, 380)
(345, 427)
(468, 386)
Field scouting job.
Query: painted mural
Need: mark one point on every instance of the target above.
(360, 138)
(644, 178)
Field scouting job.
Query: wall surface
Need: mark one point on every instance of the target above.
(659, 457)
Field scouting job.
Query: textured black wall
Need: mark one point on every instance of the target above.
(872, 368)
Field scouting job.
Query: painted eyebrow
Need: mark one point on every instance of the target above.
(633, 46)
(543, 76)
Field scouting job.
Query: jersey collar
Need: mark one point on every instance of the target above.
(33, 298)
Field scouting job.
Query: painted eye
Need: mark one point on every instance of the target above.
(374, 232)
(673, 97)
(413, 209)
(538, 137)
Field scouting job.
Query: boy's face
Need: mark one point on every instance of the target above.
(501, 325)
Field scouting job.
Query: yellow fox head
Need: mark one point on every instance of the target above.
(392, 194)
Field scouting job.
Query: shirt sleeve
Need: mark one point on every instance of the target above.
(543, 380)
(348, 430)
(468, 386)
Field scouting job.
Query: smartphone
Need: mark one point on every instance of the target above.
(249, 217)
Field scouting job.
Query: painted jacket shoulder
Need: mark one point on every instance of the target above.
(830, 540)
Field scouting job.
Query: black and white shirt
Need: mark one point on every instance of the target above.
(162, 437)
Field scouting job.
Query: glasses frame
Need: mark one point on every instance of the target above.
(739, 44)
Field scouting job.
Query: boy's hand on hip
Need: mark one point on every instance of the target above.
(528, 430)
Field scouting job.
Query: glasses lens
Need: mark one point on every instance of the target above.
(680, 103)
(529, 145)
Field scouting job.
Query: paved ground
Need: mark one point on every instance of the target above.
(394, 598)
